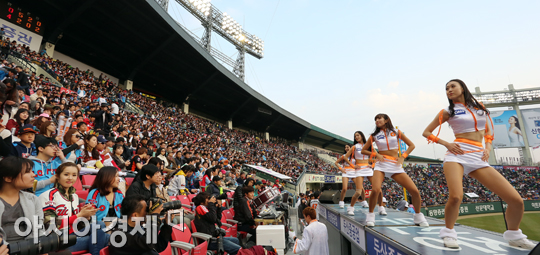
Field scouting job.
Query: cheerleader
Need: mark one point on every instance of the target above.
(469, 120)
(362, 168)
(388, 164)
(347, 170)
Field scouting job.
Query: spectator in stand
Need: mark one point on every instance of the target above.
(90, 154)
(25, 147)
(48, 158)
(15, 177)
(104, 193)
(241, 179)
(118, 150)
(136, 207)
(208, 213)
(22, 79)
(246, 213)
(103, 118)
(21, 118)
(62, 201)
(150, 177)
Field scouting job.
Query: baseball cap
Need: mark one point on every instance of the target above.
(27, 128)
(101, 139)
(42, 141)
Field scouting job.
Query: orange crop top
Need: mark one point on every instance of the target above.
(358, 152)
(467, 119)
(386, 141)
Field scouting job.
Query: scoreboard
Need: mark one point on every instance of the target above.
(13, 13)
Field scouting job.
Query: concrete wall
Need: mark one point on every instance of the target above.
(76, 63)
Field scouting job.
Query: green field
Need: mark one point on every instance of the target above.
(495, 223)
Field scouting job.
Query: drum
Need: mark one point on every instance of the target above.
(265, 197)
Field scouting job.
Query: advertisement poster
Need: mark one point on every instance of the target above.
(507, 129)
(531, 117)
(21, 35)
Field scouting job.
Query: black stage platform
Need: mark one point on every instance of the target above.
(396, 234)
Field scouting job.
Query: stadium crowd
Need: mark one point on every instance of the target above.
(87, 125)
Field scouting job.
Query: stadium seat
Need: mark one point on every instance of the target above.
(184, 235)
(104, 251)
(81, 193)
(191, 196)
(85, 252)
(231, 229)
(185, 200)
(87, 180)
(173, 198)
(230, 216)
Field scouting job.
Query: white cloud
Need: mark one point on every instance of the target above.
(393, 84)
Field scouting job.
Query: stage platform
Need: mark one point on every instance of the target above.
(396, 234)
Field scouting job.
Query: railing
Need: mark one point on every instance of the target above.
(34, 67)
(130, 107)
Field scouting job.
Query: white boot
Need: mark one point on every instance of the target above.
(449, 237)
(382, 211)
(364, 204)
(370, 219)
(518, 239)
(341, 204)
(420, 220)
(350, 210)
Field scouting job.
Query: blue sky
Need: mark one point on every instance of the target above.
(337, 64)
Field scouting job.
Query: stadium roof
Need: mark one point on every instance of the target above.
(139, 41)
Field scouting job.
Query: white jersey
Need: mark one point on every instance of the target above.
(314, 203)
(314, 240)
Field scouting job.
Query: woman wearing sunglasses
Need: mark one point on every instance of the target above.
(469, 120)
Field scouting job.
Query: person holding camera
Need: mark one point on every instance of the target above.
(206, 218)
(135, 206)
(246, 213)
(215, 189)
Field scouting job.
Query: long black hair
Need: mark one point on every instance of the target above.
(346, 149)
(17, 117)
(387, 126)
(470, 101)
(362, 135)
(517, 122)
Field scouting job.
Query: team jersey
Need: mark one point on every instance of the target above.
(467, 119)
(387, 140)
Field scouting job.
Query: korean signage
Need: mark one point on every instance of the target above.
(507, 129)
(333, 218)
(21, 35)
(479, 208)
(377, 246)
(329, 178)
(354, 232)
(521, 168)
(531, 117)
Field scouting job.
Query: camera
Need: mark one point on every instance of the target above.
(156, 202)
(46, 244)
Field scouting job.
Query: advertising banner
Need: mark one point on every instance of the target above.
(21, 35)
(531, 117)
(480, 208)
(507, 129)
(516, 168)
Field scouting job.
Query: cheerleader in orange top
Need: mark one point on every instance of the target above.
(390, 165)
(347, 170)
(362, 168)
(469, 120)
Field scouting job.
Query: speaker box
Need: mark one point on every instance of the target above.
(332, 196)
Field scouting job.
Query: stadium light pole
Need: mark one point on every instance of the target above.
(224, 25)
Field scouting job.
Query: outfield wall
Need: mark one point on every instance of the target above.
(479, 208)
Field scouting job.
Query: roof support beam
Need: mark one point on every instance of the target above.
(328, 143)
(53, 38)
(201, 86)
(150, 55)
(273, 122)
(239, 108)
